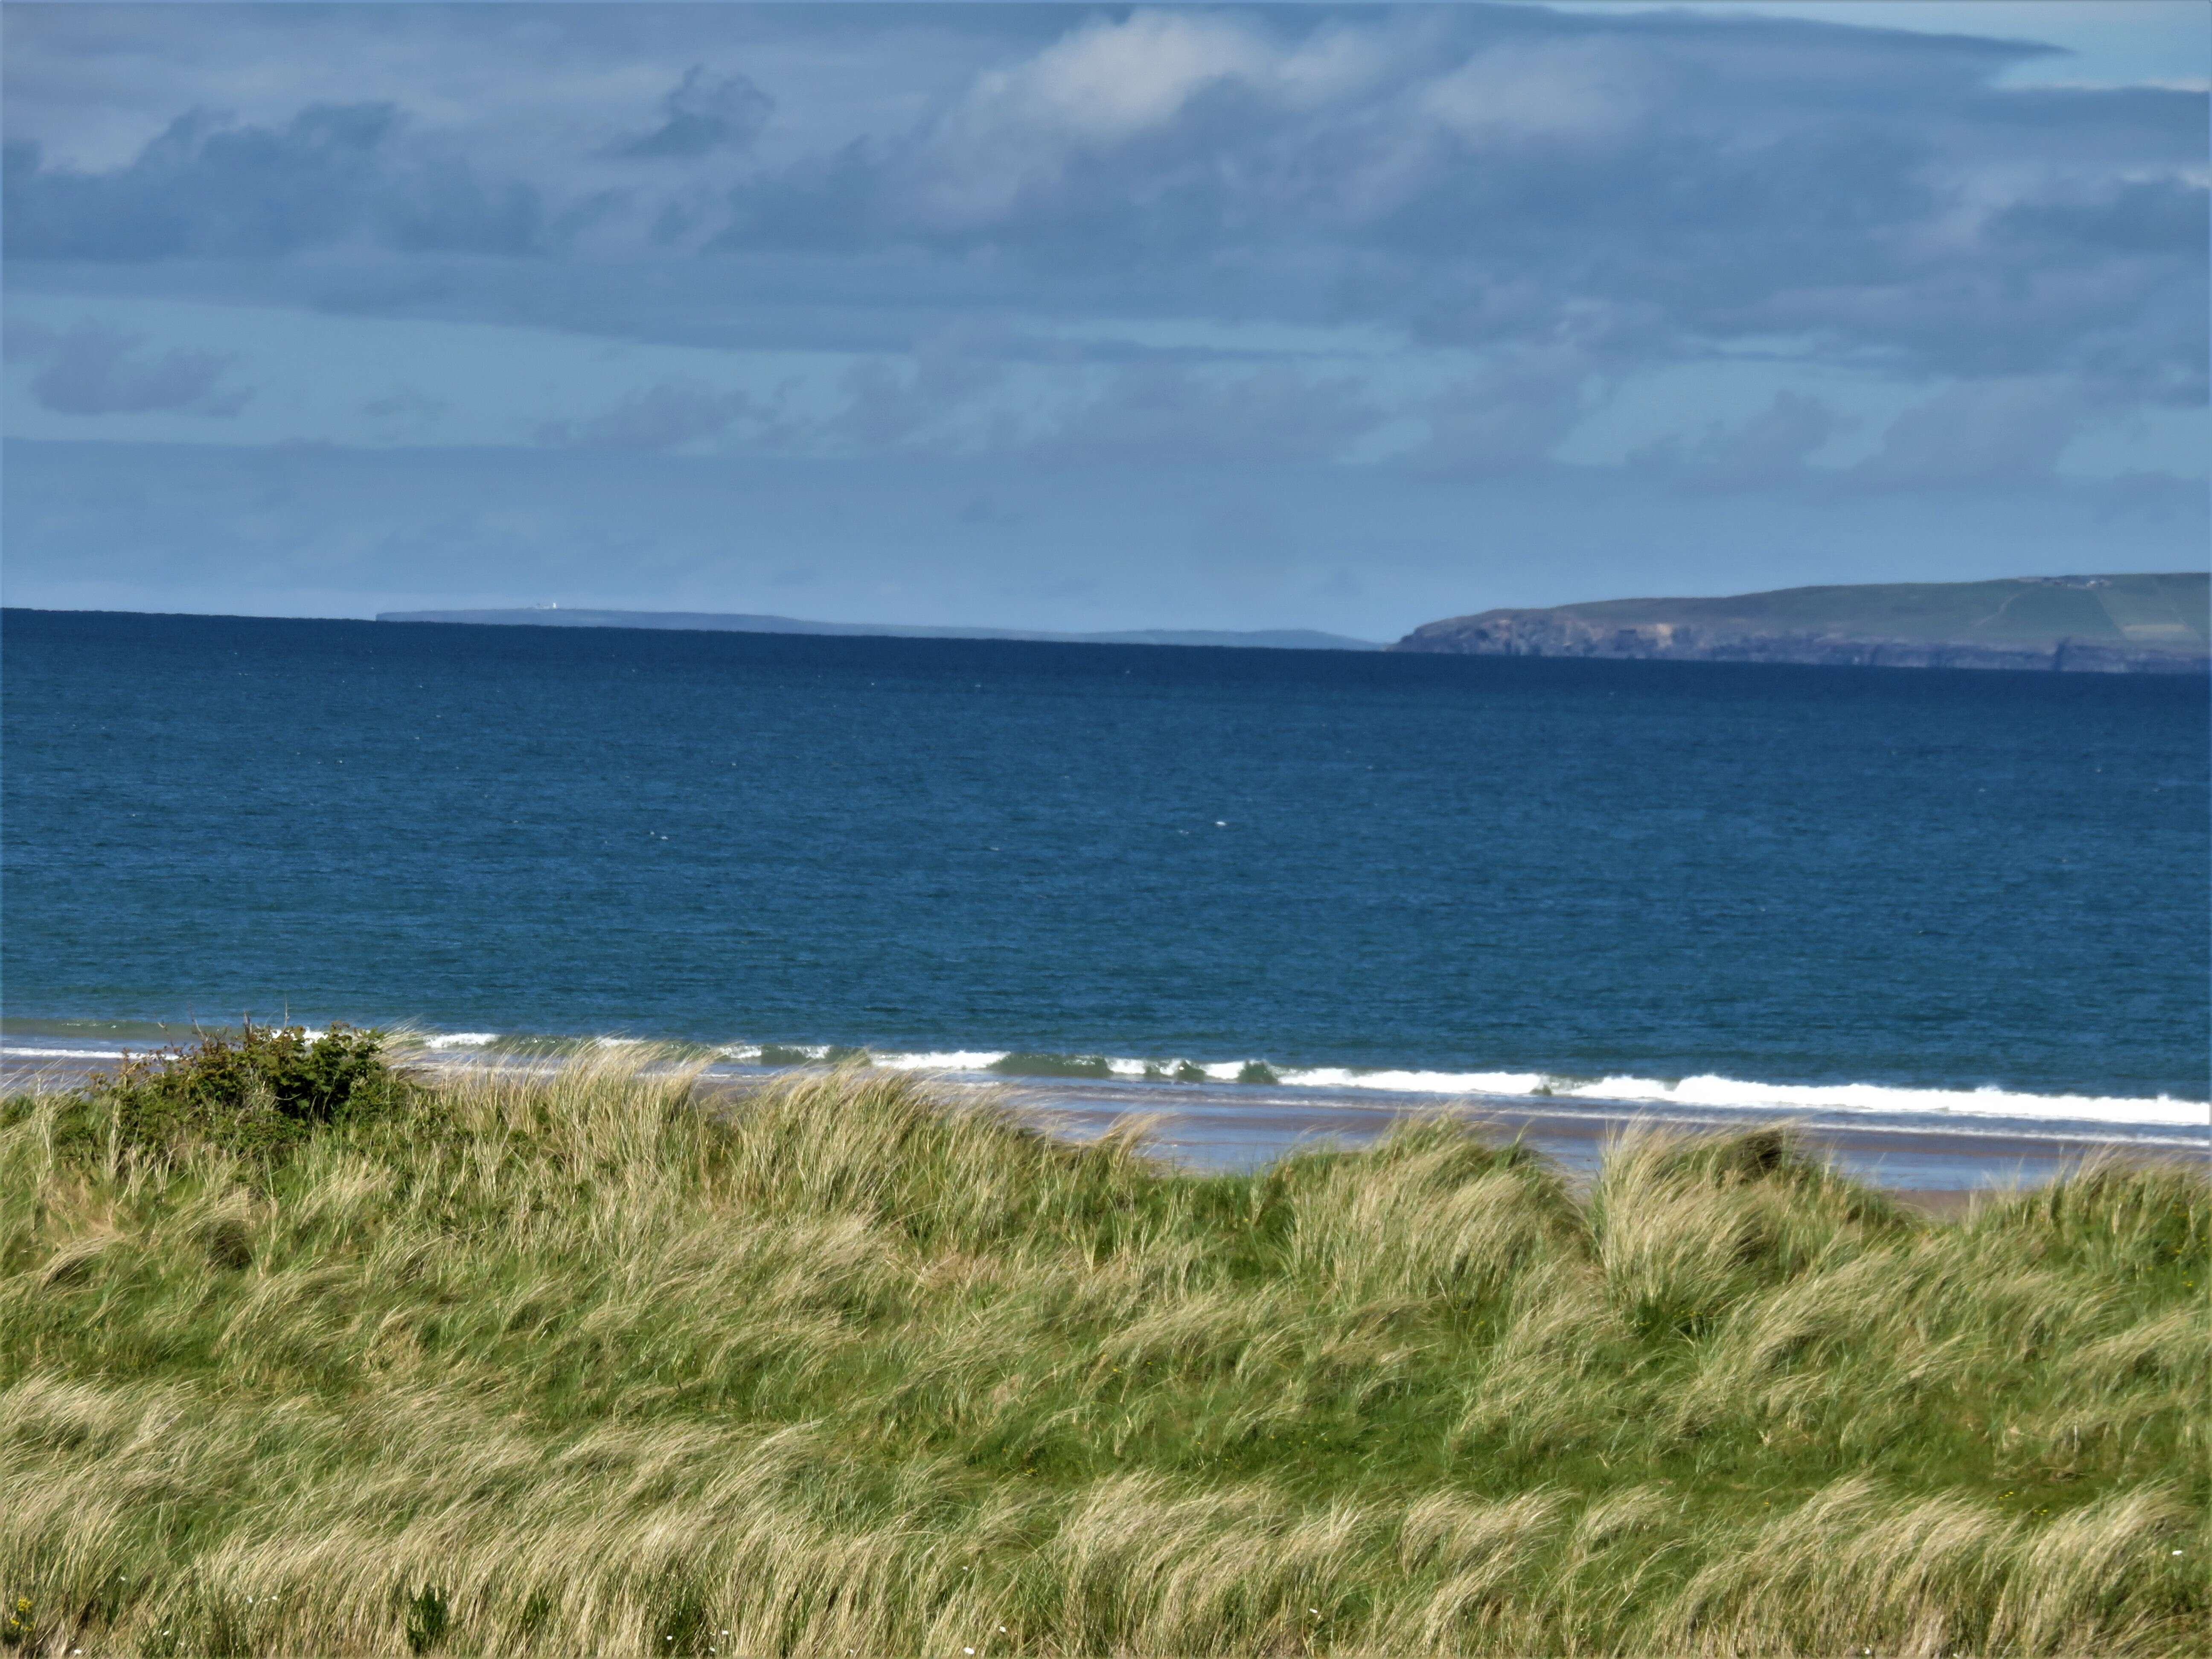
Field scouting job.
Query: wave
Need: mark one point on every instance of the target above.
(1707, 1092)
(1714, 1093)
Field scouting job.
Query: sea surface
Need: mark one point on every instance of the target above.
(1920, 898)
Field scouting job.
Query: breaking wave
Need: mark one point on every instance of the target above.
(1706, 1092)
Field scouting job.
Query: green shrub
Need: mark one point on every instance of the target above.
(427, 1618)
(258, 1092)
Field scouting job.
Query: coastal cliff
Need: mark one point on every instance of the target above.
(2117, 624)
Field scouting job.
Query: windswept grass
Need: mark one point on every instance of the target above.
(568, 1365)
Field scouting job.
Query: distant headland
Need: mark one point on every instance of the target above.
(1280, 639)
(2117, 624)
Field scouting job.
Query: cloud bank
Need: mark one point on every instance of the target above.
(1446, 243)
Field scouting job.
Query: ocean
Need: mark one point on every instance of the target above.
(1918, 897)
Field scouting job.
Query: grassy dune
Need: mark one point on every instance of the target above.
(569, 1365)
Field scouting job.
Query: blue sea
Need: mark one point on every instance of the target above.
(1916, 894)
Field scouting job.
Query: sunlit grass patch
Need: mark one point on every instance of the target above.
(576, 1361)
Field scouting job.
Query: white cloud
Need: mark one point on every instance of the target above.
(1098, 87)
(1979, 433)
(1543, 89)
(1112, 80)
(1107, 85)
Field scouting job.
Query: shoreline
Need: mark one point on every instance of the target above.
(1208, 1132)
(2070, 1108)
(1940, 1160)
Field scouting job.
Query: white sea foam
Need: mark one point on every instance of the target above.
(1712, 1093)
(1724, 1093)
(956, 1061)
(1416, 1083)
(1702, 1093)
(460, 1040)
(116, 1050)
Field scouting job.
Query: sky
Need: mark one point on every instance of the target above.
(1081, 317)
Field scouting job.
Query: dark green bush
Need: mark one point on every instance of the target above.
(258, 1092)
(427, 1616)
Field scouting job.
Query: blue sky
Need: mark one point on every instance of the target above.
(1093, 318)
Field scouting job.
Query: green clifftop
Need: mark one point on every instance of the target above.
(2111, 624)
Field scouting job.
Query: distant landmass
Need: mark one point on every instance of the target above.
(2117, 624)
(1278, 639)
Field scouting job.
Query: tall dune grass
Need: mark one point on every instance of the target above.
(574, 1363)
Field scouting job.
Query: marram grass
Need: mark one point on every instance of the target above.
(571, 1366)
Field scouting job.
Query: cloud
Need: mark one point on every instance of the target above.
(1099, 88)
(702, 114)
(1474, 174)
(1586, 89)
(1572, 197)
(949, 398)
(2084, 221)
(1108, 82)
(932, 406)
(665, 416)
(206, 188)
(92, 370)
(1770, 448)
(1511, 414)
(23, 341)
(1987, 433)
(1162, 414)
(1491, 177)
(404, 412)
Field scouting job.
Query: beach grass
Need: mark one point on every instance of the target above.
(578, 1361)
